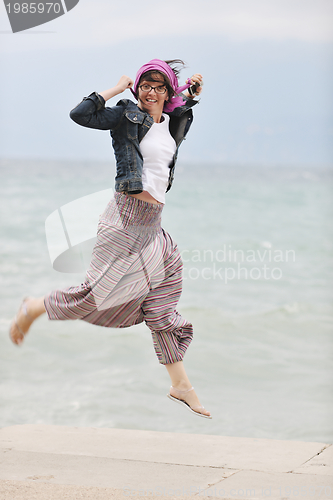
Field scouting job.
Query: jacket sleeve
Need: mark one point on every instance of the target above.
(189, 102)
(91, 112)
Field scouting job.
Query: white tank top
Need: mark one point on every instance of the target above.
(157, 148)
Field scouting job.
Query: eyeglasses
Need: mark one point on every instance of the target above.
(147, 88)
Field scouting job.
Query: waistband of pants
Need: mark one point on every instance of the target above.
(133, 214)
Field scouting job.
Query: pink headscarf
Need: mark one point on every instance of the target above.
(163, 67)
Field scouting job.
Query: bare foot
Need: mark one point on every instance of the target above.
(22, 322)
(189, 396)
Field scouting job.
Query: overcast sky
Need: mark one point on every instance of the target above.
(107, 21)
(267, 66)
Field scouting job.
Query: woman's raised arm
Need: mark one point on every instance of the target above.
(124, 83)
(91, 111)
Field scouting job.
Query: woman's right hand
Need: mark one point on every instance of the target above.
(124, 83)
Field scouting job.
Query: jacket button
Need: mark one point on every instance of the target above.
(135, 118)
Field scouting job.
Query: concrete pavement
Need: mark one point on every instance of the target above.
(51, 462)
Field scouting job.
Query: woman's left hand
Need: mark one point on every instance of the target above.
(197, 78)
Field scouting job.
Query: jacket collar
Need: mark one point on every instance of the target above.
(132, 106)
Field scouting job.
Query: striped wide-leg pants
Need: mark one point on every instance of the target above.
(135, 275)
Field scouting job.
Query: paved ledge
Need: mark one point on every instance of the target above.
(40, 462)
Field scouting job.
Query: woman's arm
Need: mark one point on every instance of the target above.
(124, 83)
(91, 111)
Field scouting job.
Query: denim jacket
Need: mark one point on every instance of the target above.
(128, 125)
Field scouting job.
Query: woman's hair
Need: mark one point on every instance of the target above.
(175, 64)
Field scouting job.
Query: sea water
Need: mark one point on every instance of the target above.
(256, 244)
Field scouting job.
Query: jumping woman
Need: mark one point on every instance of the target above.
(135, 273)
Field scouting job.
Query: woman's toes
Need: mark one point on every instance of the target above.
(21, 324)
(201, 410)
(15, 335)
(205, 412)
(192, 399)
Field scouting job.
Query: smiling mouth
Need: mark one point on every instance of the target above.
(151, 100)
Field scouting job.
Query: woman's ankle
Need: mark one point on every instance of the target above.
(35, 307)
(178, 376)
(182, 385)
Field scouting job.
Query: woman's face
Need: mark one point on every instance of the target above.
(151, 101)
